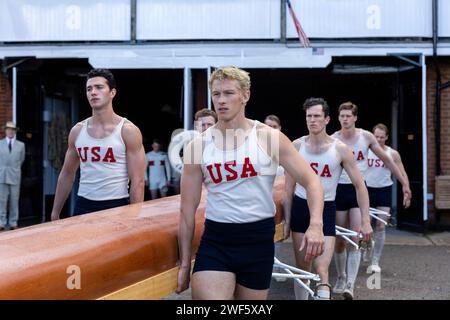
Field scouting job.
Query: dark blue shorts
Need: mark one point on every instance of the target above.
(245, 249)
(300, 216)
(83, 205)
(380, 197)
(346, 197)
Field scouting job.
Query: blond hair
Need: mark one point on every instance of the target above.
(231, 73)
(348, 106)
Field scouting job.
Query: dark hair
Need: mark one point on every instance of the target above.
(381, 127)
(205, 113)
(156, 140)
(349, 106)
(316, 101)
(105, 73)
(273, 118)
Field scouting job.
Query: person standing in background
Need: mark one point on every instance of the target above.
(12, 155)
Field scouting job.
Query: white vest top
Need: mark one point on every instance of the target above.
(360, 151)
(239, 181)
(378, 175)
(156, 162)
(103, 165)
(326, 165)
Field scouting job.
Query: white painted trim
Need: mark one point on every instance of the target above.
(202, 56)
(207, 87)
(187, 99)
(424, 138)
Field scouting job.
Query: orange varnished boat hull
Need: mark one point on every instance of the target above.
(113, 249)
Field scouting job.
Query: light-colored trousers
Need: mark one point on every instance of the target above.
(13, 192)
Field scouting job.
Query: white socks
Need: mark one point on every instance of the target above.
(323, 294)
(380, 236)
(354, 259)
(341, 260)
(300, 292)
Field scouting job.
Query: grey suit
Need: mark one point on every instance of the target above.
(10, 175)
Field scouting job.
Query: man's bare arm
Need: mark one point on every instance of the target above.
(388, 162)
(67, 174)
(191, 190)
(362, 196)
(398, 161)
(296, 166)
(135, 161)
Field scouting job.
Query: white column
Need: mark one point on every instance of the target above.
(188, 122)
(424, 137)
(207, 87)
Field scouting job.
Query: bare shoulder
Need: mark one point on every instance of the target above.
(263, 129)
(394, 153)
(131, 133)
(366, 134)
(77, 128)
(266, 133)
(342, 148)
(75, 131)
(369, 137)
(130, 127)
(335, 134)
(297, 142)
(193, 153)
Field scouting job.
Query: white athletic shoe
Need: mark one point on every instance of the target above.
(373, 268)
(340, 285)
(348, 292)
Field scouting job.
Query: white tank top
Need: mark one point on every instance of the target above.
(156, 162)
(103, 166)
(360, 151)
(239, 181)
(378, 175)
(326, 165)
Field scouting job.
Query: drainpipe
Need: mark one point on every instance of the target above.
(283, 26)
(437, 133)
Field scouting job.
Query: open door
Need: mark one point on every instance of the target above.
(57, 125)
(410, 146)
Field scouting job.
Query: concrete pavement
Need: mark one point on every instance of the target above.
(414, 266)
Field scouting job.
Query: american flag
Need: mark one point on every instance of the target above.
(301, 34)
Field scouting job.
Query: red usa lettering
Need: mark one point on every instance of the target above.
(360, 155)
(229, 169)
(376, 163)
(93, 154)
(325, 172)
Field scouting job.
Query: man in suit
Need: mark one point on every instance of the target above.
(12, 155)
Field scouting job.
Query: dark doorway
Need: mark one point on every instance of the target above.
(375, 85)
(410, 148)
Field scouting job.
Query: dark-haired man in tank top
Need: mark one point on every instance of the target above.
(108, 149)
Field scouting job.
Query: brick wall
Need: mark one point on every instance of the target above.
(444, 64)
(5, 103)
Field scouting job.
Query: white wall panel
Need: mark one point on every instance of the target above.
(444, 18)
(64, 20)
(363, 18)
(208, 19)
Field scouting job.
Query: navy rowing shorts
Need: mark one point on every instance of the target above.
(300, 216)
(346, 197)
(83, 205)
(245, 249)
(380, 197)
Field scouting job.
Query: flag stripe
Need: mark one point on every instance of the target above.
(301, 34)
